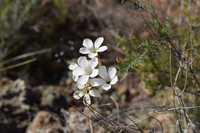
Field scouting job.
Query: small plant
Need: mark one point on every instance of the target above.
(169, 49)
(85, 71)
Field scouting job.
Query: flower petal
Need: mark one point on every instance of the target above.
(91, 55)
(103, 72)
(94, 93)
(97, 82)
(114, 80)
(103, 48)
(80, 86)
(78, 94)
(94, 62)
(84, 50)
(75, 78)
(83, 62)
(72, 66)
(82, 80)
(106, 86)
(78, 71)
(86, 100)
(111, 72)
(98, 42)
(94, 73)
(87, 43)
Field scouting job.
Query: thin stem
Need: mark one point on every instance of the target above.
(116, 107)
(134, 123)
(172, 87)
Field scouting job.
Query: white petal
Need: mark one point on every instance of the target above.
(80, 86)
(78, 71)
(91, 55)
(94, 93)
(106, 86)
(103, 48)
(75, 78)
(103, 72)
(98, 42)
(94, 62)
(86, 100)
(94, 73)
(78, 94)
(97, 82)
(111, 72)
(100, 88)
(88, 43)
(72, 66)
(83, 62)
(84, 50)
(89, 80)
(82, 80)
(114, 80)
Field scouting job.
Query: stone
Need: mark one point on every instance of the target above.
(45, 122)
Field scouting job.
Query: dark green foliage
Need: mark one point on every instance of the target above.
(168, 46)
(130, 45)
(167, 41)
(154, 51)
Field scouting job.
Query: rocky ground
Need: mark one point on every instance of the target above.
(53, 109)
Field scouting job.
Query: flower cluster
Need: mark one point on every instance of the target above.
(85, 72)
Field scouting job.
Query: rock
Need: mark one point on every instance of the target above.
(19, 103)
(71, 122)
(52, 98)
(13, 109)
(45, 122)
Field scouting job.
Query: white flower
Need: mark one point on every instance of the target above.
(109, 78)
(85, 92)
(85, 69)
(91, 49)
(72, 66)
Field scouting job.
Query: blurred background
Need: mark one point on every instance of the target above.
(59, 25)
(38, 41)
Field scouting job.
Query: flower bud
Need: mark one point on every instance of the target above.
(100, 62)
(118, 60)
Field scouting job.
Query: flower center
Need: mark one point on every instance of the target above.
(107, 82)
(86, 90)
(93, 50)
(88, 71)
